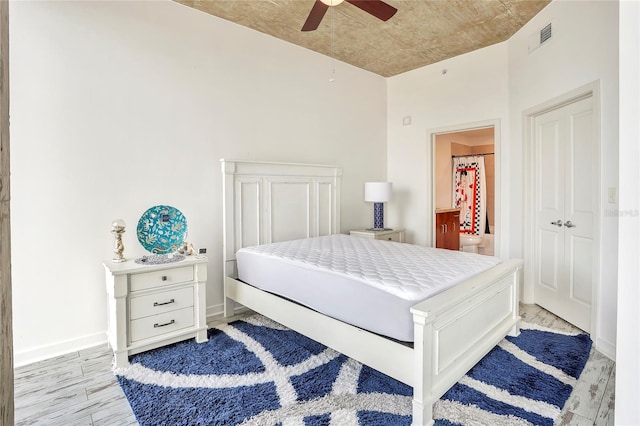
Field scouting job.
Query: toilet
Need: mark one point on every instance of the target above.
(470, 242)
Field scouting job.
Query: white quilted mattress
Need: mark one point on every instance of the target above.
(364, 282)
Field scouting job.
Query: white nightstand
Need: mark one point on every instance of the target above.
(155, 305)
(396, 235)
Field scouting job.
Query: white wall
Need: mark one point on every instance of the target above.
(583, 49)
(474, 89)
(119, 106)
(628, 340)
(444, 170)
(501, 82)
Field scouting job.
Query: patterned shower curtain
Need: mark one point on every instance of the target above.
(469, 193)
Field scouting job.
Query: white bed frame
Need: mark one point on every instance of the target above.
(271, 202)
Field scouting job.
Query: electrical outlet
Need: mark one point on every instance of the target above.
(612, 195)
(202, 251)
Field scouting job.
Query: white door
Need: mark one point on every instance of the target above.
(567, 176)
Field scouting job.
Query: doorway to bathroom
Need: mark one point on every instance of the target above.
(466, 158)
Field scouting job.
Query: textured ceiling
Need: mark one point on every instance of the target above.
(422, 32)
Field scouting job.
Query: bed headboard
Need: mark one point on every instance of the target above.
(271, 202)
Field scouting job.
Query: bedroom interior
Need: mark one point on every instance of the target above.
(451, 326)
(230, 92)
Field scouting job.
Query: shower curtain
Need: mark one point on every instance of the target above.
(469, 193)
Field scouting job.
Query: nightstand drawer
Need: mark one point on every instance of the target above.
(157, 303)
(390, 237)
(396, 235)
(163, 277)
(156, 325)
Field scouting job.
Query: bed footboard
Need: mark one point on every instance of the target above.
(458, 327)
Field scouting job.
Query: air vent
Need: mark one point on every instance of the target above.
(545, 33)
(539, 38)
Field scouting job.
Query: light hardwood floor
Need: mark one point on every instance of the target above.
(80, 389)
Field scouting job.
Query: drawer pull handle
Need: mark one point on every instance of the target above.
(164, 303)
(164, 325)
(164, 278)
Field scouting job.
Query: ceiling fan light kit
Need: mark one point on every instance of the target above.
(377, 8)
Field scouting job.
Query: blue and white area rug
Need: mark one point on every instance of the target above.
(256, 372)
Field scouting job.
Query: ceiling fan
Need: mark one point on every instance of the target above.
(377, 8)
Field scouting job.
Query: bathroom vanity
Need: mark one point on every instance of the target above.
(448, 229)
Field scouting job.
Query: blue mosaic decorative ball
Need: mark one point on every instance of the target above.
(162, 229)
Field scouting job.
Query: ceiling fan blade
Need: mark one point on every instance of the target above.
(315, 16)
(377, 8)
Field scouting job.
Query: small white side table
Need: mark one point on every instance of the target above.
(155, 305)
(396, 235)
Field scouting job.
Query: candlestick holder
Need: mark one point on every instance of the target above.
(117, 229)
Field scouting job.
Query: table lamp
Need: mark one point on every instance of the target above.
(377, 193)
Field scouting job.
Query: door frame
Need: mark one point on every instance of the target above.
(431, 176)
(529, 166)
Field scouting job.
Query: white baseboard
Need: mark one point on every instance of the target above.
(606, 348)
(216, 312)
(42, 353)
